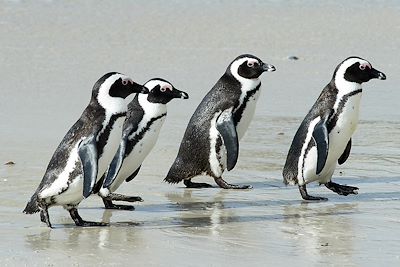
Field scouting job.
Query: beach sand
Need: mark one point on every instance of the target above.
(52, 52)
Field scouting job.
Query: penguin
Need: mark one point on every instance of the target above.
(146, 114)
(211, 140)
(324, 138)
(86, 150)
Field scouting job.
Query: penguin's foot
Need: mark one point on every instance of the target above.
(44, 217)
(109, 205)
(343, 190)
(223, 184)
(190, 184)
(119, 197)
(80, 222)
(306, 196)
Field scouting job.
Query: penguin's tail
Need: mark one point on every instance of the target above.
(172, 179)
(175, 174)
(289, 178)
(33, 205)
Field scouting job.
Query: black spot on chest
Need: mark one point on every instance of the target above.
(240, 107)
(105, 133)
(335, 117)
(132, 143)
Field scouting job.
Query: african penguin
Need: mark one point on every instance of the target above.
(324, 136)
(86, 150)
(211, 141)
(145, 116)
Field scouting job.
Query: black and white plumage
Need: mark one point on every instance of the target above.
(86, 150)
(211, 141)
(324, 137)
(146, 114)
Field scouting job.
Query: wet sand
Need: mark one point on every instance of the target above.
(53, 52)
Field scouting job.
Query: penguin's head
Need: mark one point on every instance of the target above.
(113, 91)
(248, 67)
(357, 70)
(162, 91)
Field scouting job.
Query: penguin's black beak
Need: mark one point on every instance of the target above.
(268, 67)
(138, 88)
(376, 74)
(179, 94)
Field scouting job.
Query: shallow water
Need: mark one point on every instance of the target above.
(53, 51)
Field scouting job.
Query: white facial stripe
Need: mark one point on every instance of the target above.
(343, 67)
(345, 87)
(153, 83)
(252, 62)
(247, 84)
(112, 105)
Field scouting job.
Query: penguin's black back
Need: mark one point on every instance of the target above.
(83, 127)
(193, 155)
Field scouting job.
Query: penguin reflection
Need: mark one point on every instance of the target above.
(321, 231)
(195, 212)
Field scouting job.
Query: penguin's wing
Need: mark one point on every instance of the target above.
(321, 138)
(87, 152)
(226, 127)
(118, 159)
(345, 154)
(133, 175)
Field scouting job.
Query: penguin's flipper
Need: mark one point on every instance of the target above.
(321, 138)
(133, 175)
(345, 154)
(116, 163)
(87, 152)
(226, 127)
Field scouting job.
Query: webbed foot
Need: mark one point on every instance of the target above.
(343, 190)
(80, 222)
(223, 184)
(190, 184)
(306, 196)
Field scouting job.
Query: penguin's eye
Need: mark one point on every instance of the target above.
(127, 81)
(364, 66)
(250, 64)
(165, 88)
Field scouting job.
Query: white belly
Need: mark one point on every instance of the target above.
(338, 139)
(138, 154)
(71, 193)
(247, 115)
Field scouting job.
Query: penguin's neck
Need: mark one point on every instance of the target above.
(246, 84)
(151, 109)
(344, 89)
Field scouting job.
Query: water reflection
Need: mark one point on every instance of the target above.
(69, 237)
(321, 232)
(206, 216)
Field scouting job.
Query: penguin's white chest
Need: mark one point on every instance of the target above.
(339, 136)
(345, 126)
(247, 115)
(110, 147)
(139, 152)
